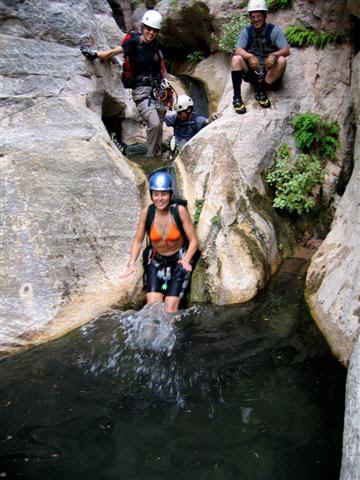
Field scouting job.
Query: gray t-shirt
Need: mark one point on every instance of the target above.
(277, 38)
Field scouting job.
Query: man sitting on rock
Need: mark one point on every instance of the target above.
(259, 56)
(185, 122)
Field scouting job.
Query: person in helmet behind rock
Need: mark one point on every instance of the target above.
(149, 71)
(185, 122)
(260, 56)
(173, 249)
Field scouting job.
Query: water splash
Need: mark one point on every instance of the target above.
(143, 349)
(152, 329)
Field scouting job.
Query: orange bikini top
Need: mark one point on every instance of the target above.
(173, 234)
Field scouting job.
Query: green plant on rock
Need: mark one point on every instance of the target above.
(277, 4)
(232, 31)
(294, 182)
(196, 57)
(216, 220)
(301, 37)
(198, 207)
(313, 134)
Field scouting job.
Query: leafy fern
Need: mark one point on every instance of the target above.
(312, 133)
(300, 37)
(196, 57)
(294, 181)
(277, 4)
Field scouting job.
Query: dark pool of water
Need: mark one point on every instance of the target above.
(249, 392)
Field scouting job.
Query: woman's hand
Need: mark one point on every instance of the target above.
(132, 268)
(185, 264)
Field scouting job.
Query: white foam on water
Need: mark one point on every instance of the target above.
(152, 328)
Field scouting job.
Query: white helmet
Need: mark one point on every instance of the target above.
(257, 6)
(183, 103)
(152, 19)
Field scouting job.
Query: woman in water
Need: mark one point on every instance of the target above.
(170, 257)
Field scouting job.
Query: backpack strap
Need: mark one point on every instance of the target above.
(174, 209)
(132, 35)
(268, 31)
(149, 218)
(250, 34)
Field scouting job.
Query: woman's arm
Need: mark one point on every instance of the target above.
(105, 55)
(137, 243)
(191, 236)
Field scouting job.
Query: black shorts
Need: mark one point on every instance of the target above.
(252, 78)
(163, 274)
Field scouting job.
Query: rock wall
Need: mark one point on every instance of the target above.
(333, 275)
(69, 200)
(224, 164)
(350, 467)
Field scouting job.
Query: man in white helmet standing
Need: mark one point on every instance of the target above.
(149, 73)
(260, 56)
(185, 122)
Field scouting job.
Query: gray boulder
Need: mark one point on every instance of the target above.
(241, 236)
(69, 200)
(334, 271)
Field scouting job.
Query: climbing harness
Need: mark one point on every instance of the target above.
(165, 93)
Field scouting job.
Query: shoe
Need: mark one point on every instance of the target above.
(239, 105)
(262, 99)
(121, 146)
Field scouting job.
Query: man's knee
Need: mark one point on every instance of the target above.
(277, 71)
(237, 62)
(281, 63)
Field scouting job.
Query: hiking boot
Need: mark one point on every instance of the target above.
(239, 105)
(120, 145)
(262, 99)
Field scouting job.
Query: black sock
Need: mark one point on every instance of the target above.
(260, 86)
(236, 77)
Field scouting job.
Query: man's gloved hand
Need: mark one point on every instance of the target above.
(270, 61)
(213, 117)
(89, 54)
(253, 63)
